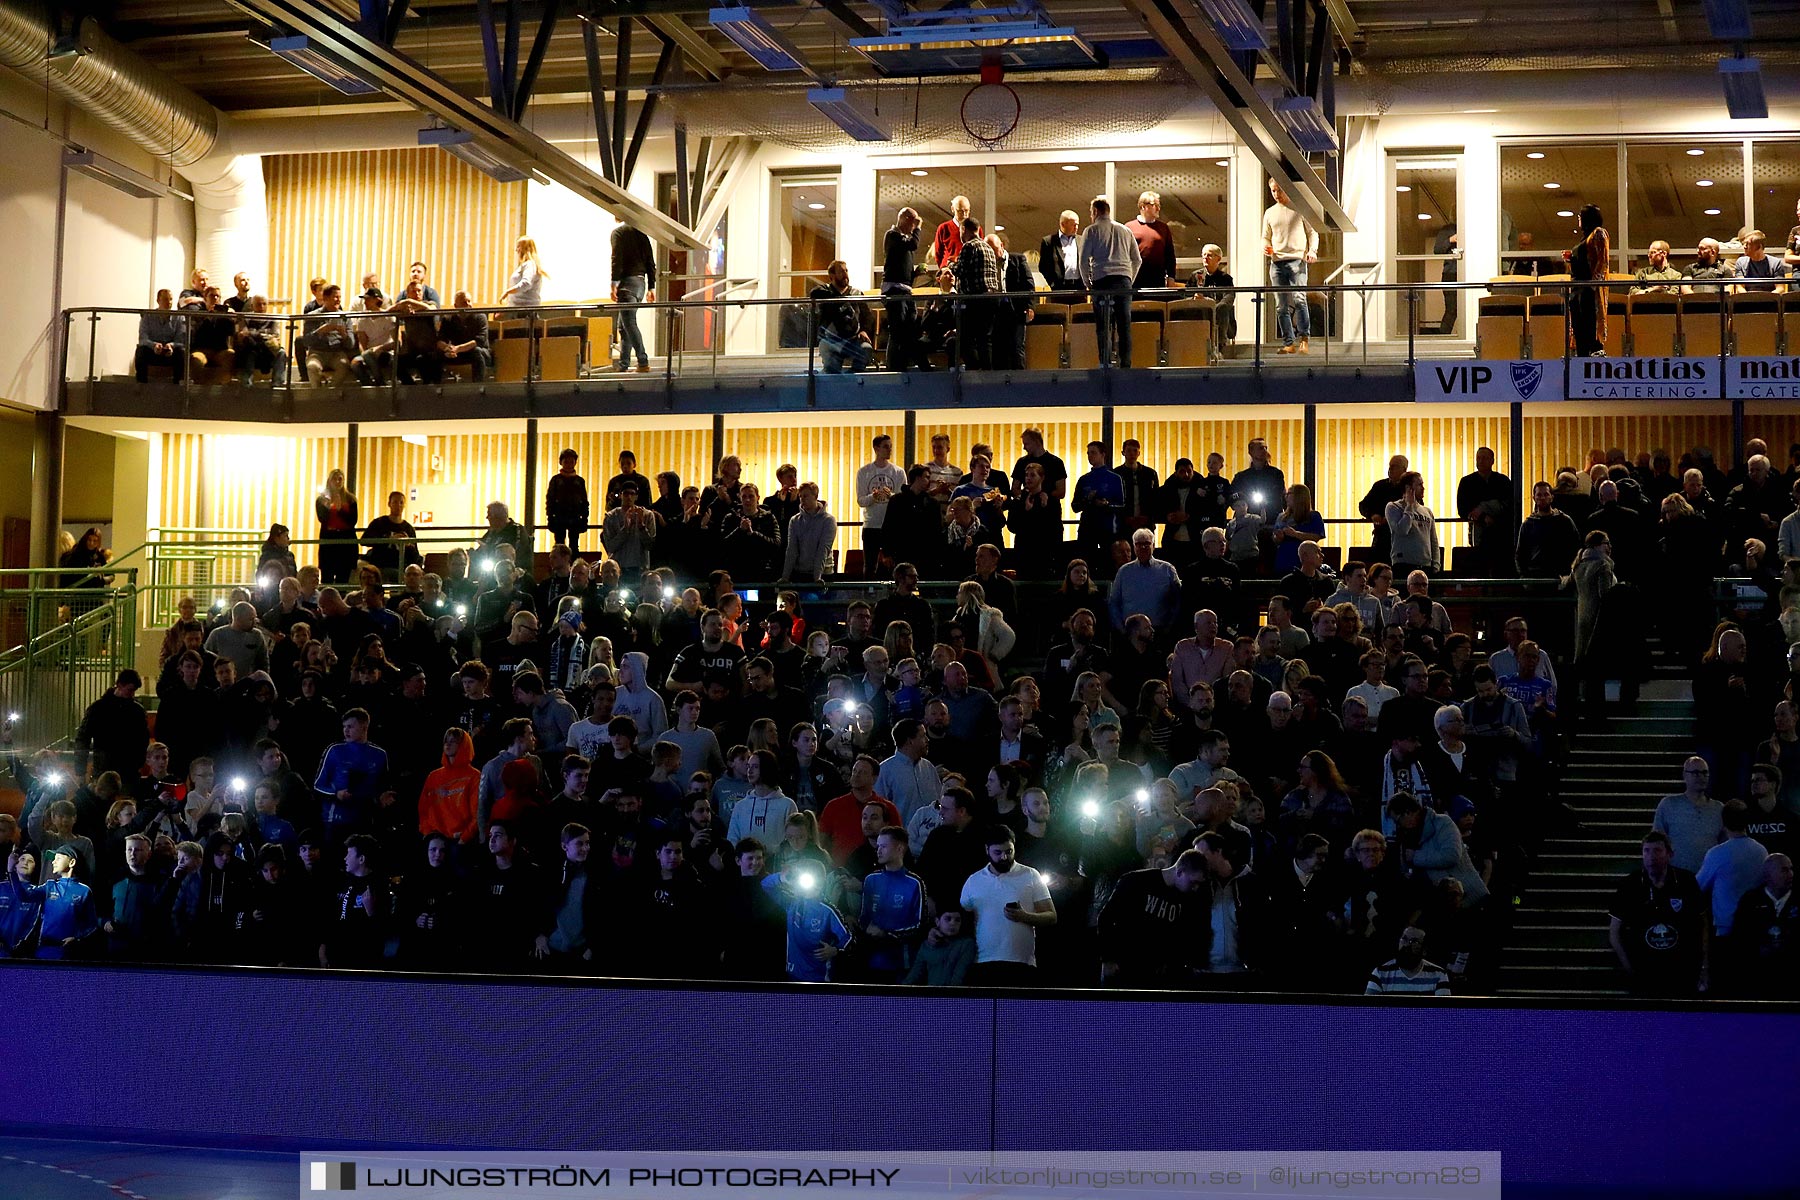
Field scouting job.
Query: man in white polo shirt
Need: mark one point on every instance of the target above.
(1009, 901)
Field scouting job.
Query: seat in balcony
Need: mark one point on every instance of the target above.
(1147, 320)
(1703, 329)
(1189, 332)
(1618, 320)
(1546, 325)
(1045, 337)
(1500, 324)
(1756, 324)
(1655, 320)
(1084, 351)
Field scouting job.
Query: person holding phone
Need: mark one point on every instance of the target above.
(1010, 901)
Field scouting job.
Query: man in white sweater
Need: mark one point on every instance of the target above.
(1289, 244)
(1109, 263)
(876, 483)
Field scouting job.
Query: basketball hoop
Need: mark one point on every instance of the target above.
(990, 114)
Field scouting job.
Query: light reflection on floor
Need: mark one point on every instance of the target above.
(49, 1169)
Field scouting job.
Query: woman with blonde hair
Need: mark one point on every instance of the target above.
(525, 286)
(335, 506)
(993, 638)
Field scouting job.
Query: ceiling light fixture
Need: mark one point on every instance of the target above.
(920, 174)
(1071, 167)
(1703, 183)
(1552, 186)
(1535, 154)
(1712, 212)
(816, 206)
(1402, 188)
(1221, 162)
(1565, 212)
(1695, 153)
(1424, 216)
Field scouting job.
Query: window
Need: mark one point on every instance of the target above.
(1542, 188)
(1194, 201)
(1680, 192)
(806, 232)
(1775, 170)
(1426, 245)
(929, 191)
(1031, 197)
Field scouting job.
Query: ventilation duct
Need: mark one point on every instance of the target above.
(112, 84)
(126, 94)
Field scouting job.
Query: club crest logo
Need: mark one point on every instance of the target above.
(1525, 378)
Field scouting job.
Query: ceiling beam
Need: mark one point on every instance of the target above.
(698, 52)
(405, 79)
(1191, 41)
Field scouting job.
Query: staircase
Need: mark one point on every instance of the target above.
(1614, 779)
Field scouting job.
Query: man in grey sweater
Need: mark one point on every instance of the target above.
(810, 535)
(1109, 263)
(628, 532)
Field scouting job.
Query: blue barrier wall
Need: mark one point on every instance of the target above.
(1639, 1102)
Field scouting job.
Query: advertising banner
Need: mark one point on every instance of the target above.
(1497, 380)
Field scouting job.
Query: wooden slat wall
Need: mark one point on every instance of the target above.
(250, 482)
(340, 215)
(1354, 453)
(1553, 442)
(829, 455)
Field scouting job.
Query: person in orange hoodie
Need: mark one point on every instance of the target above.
(447, 803)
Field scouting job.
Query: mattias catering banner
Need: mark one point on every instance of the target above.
(1609, 379)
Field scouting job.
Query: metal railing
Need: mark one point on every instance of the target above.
(562, 343)
(64, 648)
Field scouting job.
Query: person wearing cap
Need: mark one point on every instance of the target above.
(375, 339)
(68, 906)
(1430, 846)
(565, 653)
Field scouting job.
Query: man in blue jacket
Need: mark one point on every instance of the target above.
(893, 909)
(350, 778)
(19, 909)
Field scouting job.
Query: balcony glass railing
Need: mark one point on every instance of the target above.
(737, 336)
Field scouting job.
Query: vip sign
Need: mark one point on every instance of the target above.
(1762, 378)
(1527, 379)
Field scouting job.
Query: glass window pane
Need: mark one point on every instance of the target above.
(1537, 221)
(1679, 197)
(808, 242)
(1195, 201)
(930, 191)
(1426, 243)
(1776, 167)
(1030, 198)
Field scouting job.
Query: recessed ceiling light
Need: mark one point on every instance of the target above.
(1401, 187)
(1535, 154)
(1071, 167)
(1222, 162)
(1695, 153)
(999, 229)
(1712, 212)
(1552, 186)
(1565, 212)
(816, 206)
(1702, 183)
(920, 174)
(1424, 216)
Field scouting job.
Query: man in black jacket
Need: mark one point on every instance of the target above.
(1155, 928)
(634, 282)
(1059, 254)
(899, 248)
(1013, 314)
(114, 731)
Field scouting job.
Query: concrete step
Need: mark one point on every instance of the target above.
(1566, 957)
(1546, 938)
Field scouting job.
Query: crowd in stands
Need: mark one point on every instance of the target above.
(641, 767)
(985, 296)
